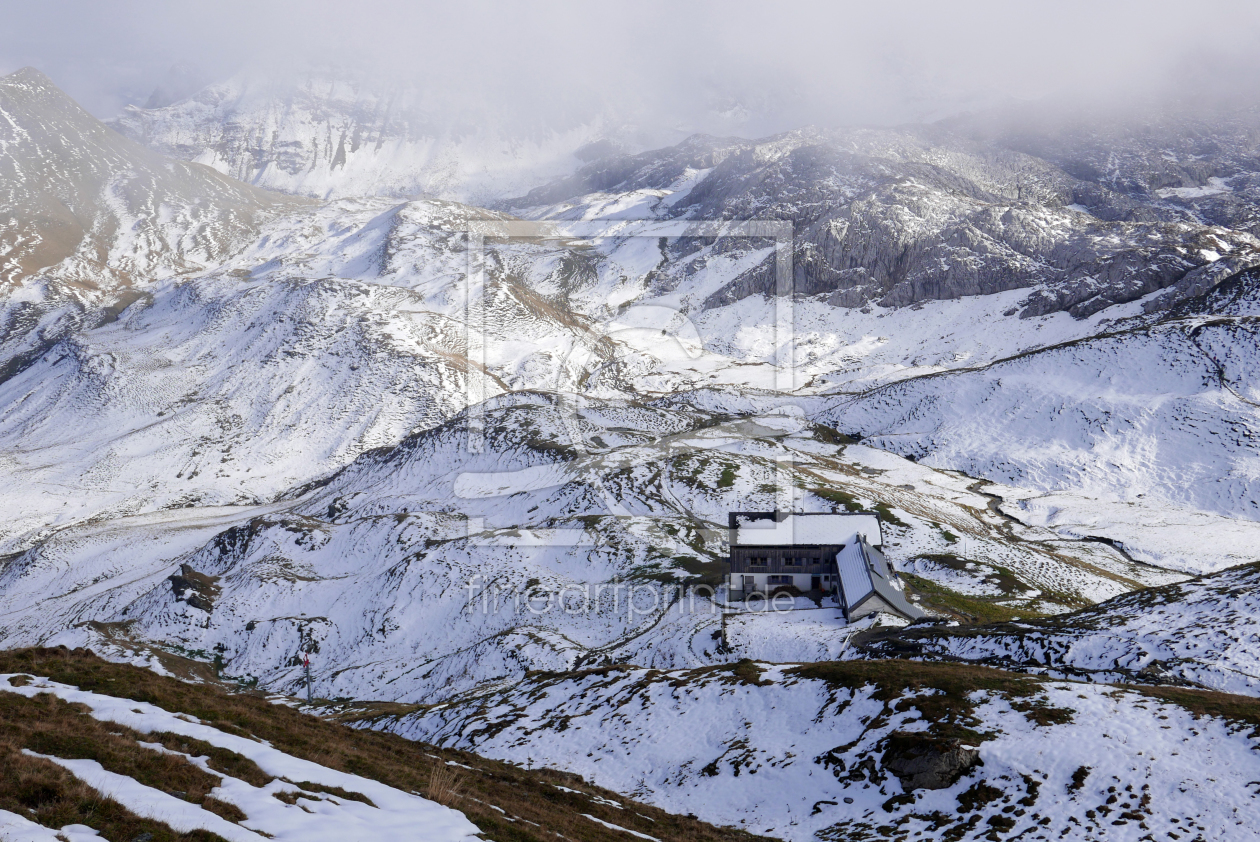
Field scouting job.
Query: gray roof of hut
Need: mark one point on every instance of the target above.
(865, 573)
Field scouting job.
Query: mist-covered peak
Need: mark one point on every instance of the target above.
(333, 132)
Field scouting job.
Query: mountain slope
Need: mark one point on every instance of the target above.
(879, 749)
(219, 393)
(205, 753)
(1146, 436)
(253, 796)
(428, 568)
(85, 205)
(1202, 632)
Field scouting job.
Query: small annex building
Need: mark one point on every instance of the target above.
(829, 553)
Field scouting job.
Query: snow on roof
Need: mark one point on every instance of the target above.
(786, 528)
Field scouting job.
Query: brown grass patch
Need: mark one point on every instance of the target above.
(1241, 709)
(219, 759)
(335, 791)
(446, 786)
(968, 609)
(49, 795)
(223, 809)
(48, 725)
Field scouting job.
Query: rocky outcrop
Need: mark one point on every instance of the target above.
(921, 761)
(197, 589)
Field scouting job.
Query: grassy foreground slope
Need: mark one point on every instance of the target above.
(504, 801)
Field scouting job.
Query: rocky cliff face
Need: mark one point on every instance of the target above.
(896, 217)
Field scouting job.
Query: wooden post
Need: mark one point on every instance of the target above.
(304, 648)
(306, 663)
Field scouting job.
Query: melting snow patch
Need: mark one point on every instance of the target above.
(146, 801)
(612, 826)
(15, 828)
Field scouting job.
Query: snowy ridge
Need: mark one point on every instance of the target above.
(89, 207)
(329, 137)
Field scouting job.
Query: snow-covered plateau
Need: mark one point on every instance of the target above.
(487, 476)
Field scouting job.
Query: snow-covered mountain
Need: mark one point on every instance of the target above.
(318, 380)
(88, 207)
(970, 206)
(445, 460)
(898, 217)
(1195, 164)
(168, 387)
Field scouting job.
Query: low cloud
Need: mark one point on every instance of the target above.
(749, 68)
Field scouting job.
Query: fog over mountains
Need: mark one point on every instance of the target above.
(443, 392)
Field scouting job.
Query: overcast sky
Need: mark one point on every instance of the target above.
(774, 64)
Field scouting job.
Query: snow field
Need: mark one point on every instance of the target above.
(783, 758)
